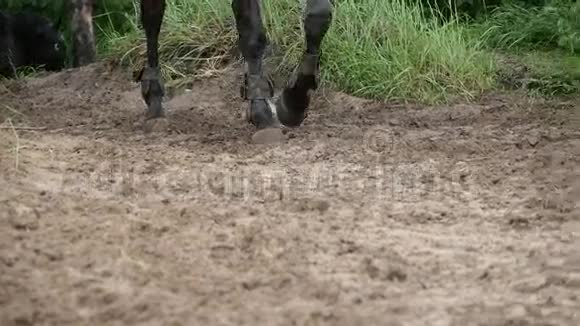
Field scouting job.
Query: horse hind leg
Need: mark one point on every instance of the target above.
(152, 88)
(292, 104)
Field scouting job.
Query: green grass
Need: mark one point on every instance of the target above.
(541, 42)
(543, 73)
(516, 26)
(375, 48)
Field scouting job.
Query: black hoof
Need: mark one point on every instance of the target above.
(261, 114)
(291, 107)
(152, 91)
(155, 108)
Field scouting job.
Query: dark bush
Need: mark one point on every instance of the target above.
(110, 14)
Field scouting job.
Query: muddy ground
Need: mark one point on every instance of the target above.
(370, 214)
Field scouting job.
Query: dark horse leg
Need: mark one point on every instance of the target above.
(290, 108)
(152, 88)
(292, 104)
(152, 12)
(252, 42)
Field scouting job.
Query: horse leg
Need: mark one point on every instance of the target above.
(84, 51)
(292, 104)
(252, 42)
(152, 88)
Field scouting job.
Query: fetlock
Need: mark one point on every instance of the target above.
(310, 67)
(307, 75)
(256, 82)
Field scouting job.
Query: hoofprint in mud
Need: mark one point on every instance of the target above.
(370, 213)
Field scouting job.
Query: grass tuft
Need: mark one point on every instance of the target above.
(516, 26)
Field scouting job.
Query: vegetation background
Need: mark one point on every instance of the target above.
(413, 50)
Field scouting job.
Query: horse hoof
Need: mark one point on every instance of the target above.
(290, 114)
(262, 114)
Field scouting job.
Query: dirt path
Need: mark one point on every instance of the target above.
(371, 214)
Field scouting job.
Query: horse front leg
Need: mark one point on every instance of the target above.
(252, 42)
(292, 104)
(152, 88)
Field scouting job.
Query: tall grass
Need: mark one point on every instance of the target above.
(516, 26)
(390, 49)
(375, 48)
(385, 49)
(195, 35)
